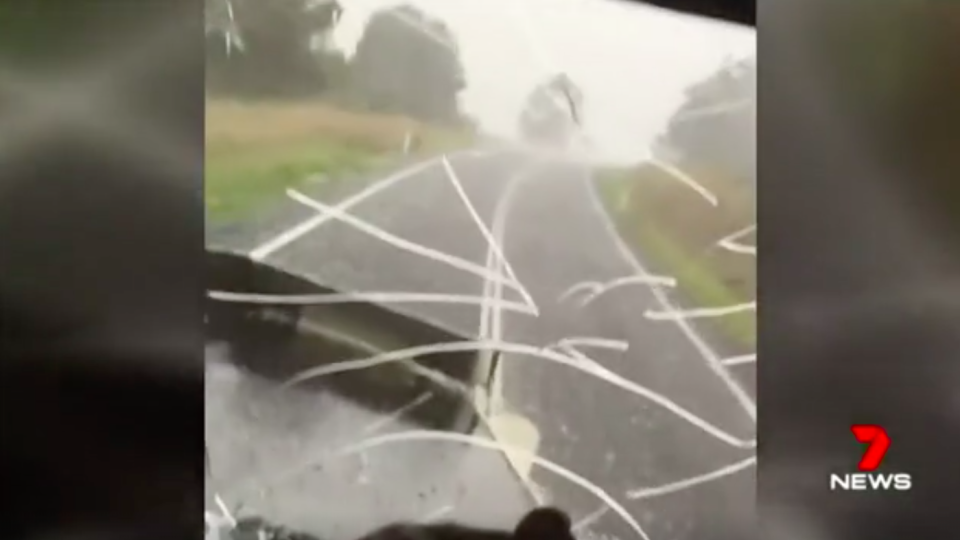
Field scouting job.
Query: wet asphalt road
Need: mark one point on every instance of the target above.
(614, 439)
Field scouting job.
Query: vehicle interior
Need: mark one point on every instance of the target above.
(102, 415)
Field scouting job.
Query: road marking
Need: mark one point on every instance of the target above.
(706, 352)
(509, 428)
(492, 242)
(402, 243)
(497, 259)
(506, 426)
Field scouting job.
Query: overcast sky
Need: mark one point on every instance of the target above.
(632, 62)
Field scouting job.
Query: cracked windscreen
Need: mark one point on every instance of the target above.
(467, 257)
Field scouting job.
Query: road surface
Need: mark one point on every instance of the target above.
(644, 436)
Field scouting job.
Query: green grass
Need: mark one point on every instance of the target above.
(256, 150)
(239, 182)
(665, 250)
(698, 282)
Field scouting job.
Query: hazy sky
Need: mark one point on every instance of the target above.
(632, 62)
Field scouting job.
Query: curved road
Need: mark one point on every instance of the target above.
(643, 416)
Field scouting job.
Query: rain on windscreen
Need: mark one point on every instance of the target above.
(473, 256)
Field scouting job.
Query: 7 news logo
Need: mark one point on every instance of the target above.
(868, 479)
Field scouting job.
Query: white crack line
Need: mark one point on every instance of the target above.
(597, 342)
(585, 362)
(710, 357)
(435, 515)
(290, 235)
(589, 519)
(686, 180)
(493, 243)
(594, 289)
(434, 375)
(395, 415)
(739, 248)
(569, 346)
(680, 485)
(481, 442)
(233, 36)
(672, 487)
(402, 243)
(223, 509)
(588, 287)
(699, 313)
(224, 518)
(730, 242)
(521, 351)
(283, 239)
(375, 297)
(719, 108)
(739, 360)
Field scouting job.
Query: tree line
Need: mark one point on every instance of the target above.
(716, 126)
(406, 62)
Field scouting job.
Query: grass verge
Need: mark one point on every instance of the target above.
(676, 235)
(236, 184)
(255, 151)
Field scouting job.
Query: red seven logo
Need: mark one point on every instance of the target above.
(878, 442)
